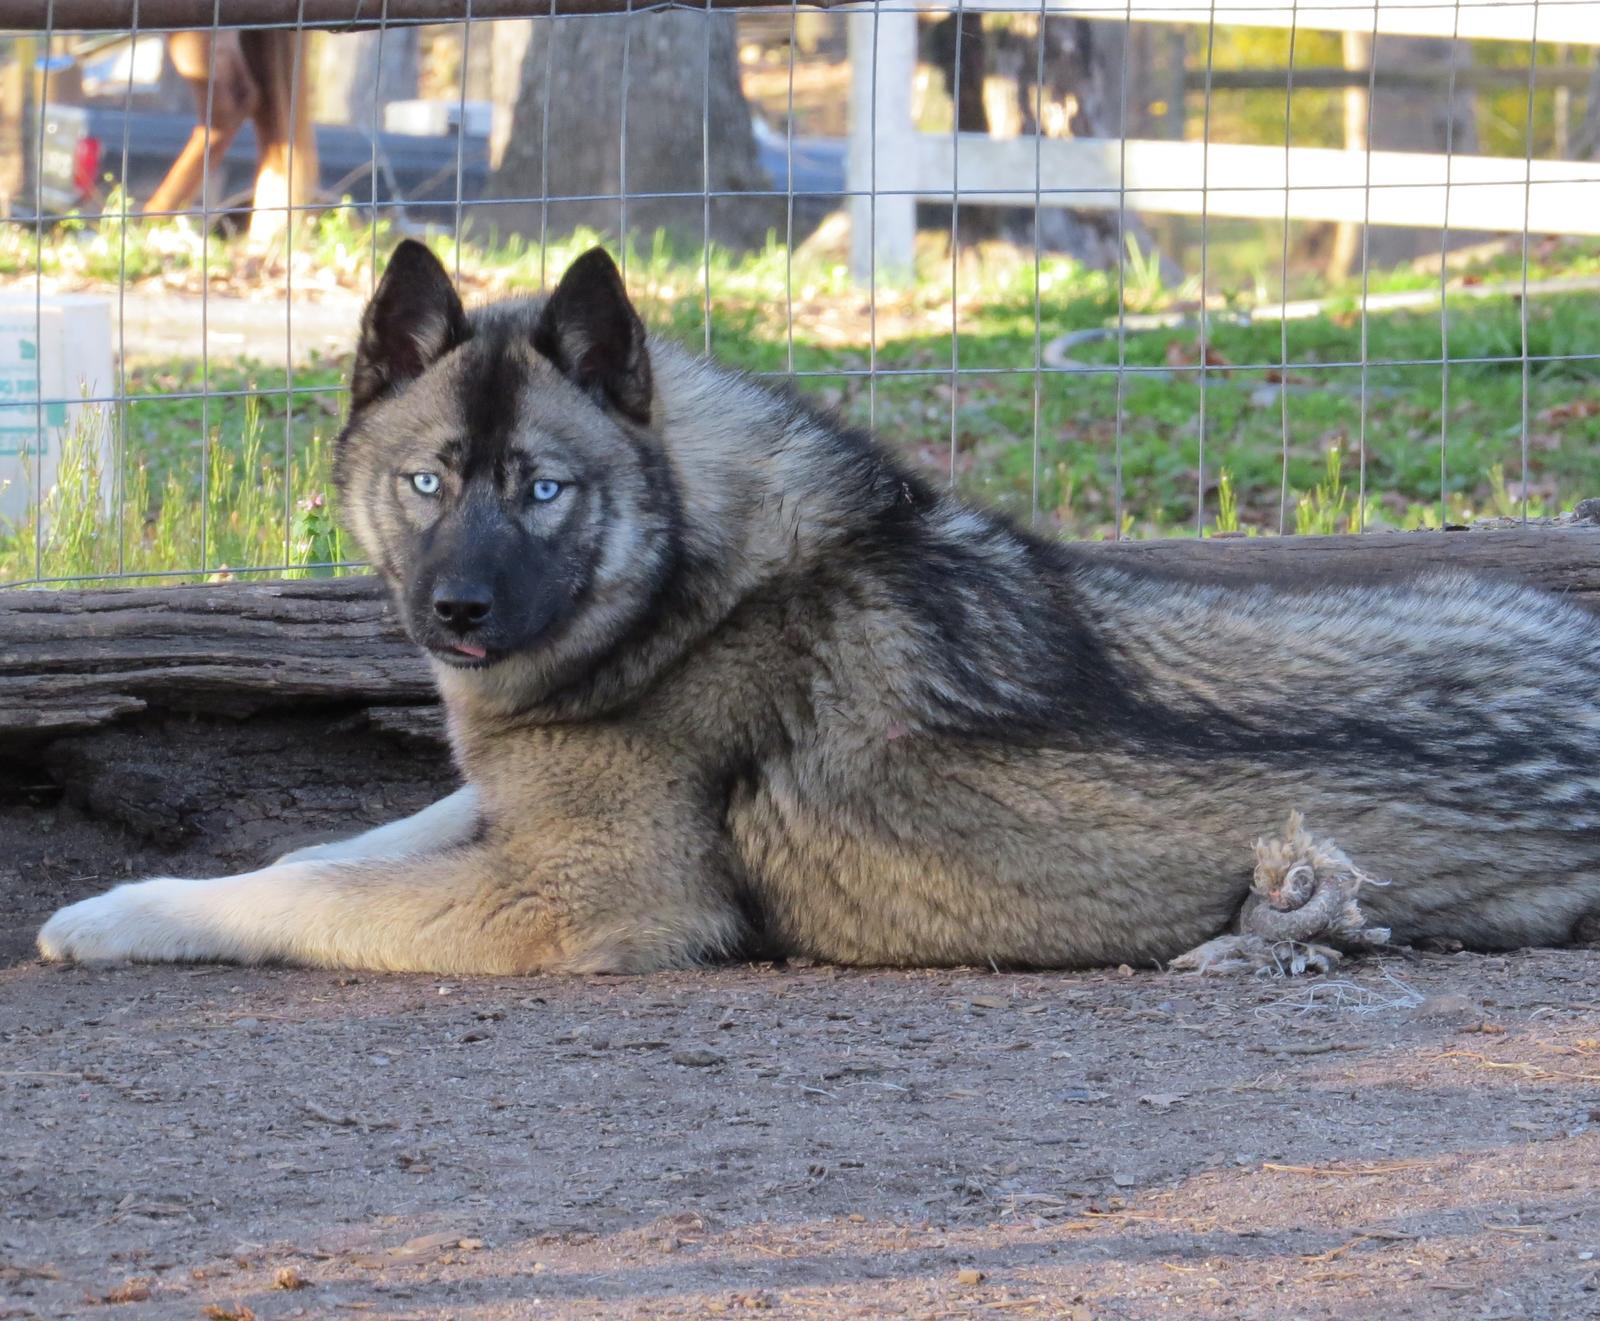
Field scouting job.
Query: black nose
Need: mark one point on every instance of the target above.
(461, 606)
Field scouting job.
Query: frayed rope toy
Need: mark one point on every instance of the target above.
(1301, 914)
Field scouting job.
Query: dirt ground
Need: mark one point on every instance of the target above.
(1418, 1139)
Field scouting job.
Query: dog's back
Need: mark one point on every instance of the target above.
(1440, 731)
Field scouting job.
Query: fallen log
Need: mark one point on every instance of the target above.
(78, 660)
(73, 660)
(243, 718)
(1563, 559)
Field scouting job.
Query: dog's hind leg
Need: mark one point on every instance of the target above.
(452, 820)
(482, 907)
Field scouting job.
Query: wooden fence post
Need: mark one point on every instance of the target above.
(883, 229)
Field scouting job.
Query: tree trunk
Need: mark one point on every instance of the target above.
(1586, 141)
(1156, 65)
(1357, 51)
(673, 61)
(944, 38)
(1404, 119)
(511, 40)
(17, 56)
(957, 47)
(1083, 63)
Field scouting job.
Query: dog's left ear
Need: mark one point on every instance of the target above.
(591, 333)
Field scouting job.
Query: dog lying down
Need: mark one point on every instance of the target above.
(723, 677)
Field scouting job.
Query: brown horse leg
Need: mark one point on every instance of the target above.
(203, 59)
(284, 178)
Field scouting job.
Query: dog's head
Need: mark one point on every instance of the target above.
(500, 468)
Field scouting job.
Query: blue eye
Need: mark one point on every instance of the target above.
(427, 483)
(545, 490)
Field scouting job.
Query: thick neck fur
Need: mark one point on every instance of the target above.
(766, 485)
(770, 491)
(765, 490)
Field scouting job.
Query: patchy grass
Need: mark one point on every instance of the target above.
(1306, 439)
(230, 506)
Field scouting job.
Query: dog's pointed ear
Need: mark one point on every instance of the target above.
(413, 320)
(590, 331)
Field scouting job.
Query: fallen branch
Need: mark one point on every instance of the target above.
(1536, 1072)
(1338, 1172)
(1371, 1235)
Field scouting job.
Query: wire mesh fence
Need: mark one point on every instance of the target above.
(1121, 270)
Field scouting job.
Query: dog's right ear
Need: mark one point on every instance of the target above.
(413, 320)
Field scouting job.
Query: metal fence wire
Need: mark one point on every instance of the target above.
(1123, 270)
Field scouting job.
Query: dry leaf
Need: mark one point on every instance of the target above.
(136, 1290)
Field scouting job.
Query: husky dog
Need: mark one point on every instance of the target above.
(722, 676)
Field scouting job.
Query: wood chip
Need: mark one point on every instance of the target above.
(1371, 1236)
(696, 1059)
(1335, 1172)
(136, 1290)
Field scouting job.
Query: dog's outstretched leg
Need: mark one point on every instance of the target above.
(439, 826)
(472, 909)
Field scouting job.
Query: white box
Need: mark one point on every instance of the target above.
(55, 355)
(436, 118)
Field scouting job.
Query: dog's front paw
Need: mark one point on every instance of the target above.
(139, 921)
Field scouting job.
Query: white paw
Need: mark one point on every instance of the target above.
(139, 921)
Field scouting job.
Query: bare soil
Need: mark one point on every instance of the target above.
(1418, 1139)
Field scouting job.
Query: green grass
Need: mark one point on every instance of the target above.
(245, 513)
(241, 480)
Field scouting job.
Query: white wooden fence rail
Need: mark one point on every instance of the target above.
(891, 166)
(1576, 22)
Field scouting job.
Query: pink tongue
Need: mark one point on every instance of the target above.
(477, 653)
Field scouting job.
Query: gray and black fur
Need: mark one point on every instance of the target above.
(746, 681)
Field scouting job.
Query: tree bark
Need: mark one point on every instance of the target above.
(78, 660)
(1586, 141)
(1356, 48)
(673, 61)
(1084, 62)
(1403, 118)
(1156, 67)
(959, 48)
(347, 15)
(511, 41)
(1082, 66)
(16, 62)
